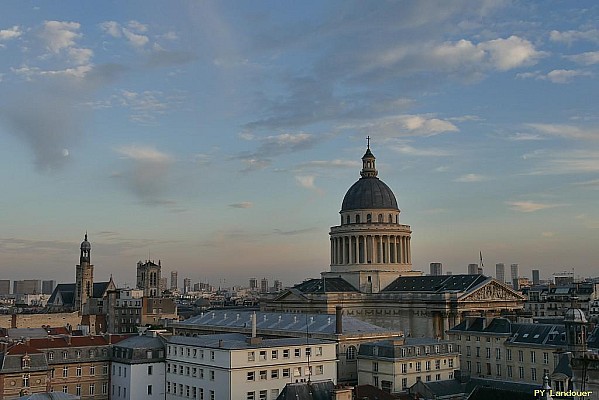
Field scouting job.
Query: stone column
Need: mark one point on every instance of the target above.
(409, 251)
(357, 250)
(380, 250)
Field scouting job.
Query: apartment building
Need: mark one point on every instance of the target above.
(234, 366)
(395, 365)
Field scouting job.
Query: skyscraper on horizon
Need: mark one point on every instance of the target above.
(500, 272)
(515, 275)
(536, 277)
(174, 284)
(472, 269)
(436, 268)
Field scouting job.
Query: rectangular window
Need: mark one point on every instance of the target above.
(78, 371)
(498, 369)
(469, 365)
(104, 387)
(488, 353)
(468, 353)
(438, 377)
(297, 371)
(318, 351)
(498, 354)
(437, 364)
(186, 390)
(150, 368)
(65, 372)
(201, 373)
(263, 374)
(450, 362)
(533, 374)
(274, 374)
(404, 368)
(65, 389)
(428, 378)
(533, 357)
(286, 372)
(150, 390)
(428, 365)
(262, 355)
(105, 369)
(418, 366)
(211, 375)
(92, 370)
(51, 356)
(508, 354)
(404, 383)
(286, 353)
(308, 351)
(319, 370)
(521, 372)
(212, 355)
(251, 356)
(274, 354)
(298, 352)
(78, 390)
(263, 394)
(212, 395)
(274, 393)
(509, 371)
(545, 358)
(92, 389)
(250, 396)
(194, 372)
(520, 355)
(479, 369)
(187, 370)
(201, 390)
(375, 366)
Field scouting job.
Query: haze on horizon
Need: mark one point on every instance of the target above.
(220, 137)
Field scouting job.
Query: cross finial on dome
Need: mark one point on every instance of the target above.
(368, 142)
(85, 235)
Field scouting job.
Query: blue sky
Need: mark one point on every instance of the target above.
(220, 137)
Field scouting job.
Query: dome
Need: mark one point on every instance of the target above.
(575, 315)
(85, 245)
(369, 193)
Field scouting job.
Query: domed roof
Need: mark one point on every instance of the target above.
(369, 193)
(575, 315)
(85, 245)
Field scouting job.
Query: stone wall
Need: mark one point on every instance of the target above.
(38, 320)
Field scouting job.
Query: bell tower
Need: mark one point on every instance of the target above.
(84, 277)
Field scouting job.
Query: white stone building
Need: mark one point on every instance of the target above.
(235, 367)
(138, 368)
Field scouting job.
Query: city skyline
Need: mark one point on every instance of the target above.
(221, 137)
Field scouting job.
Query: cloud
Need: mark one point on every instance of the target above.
(10, 33)
(530, 206)
(112, 28)
(588, 58)
(569, 37)
(590, 184)
(166, 58)
(520, 136)
(60, 35)
(412, 151)
(147, 174)
(567, 162)
(276, 145)
(306, 181)
(404, 126)
(243, 204)
(327, 164)
(555, 76)
(510, 53)
(470, 178)
(135, 39)
(133, 32)
(566, 131)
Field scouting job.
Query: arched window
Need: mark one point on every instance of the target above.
(348, 220)
(369, 218)
(357, 218)
(380, 217)
(351, 352)
(390, 218)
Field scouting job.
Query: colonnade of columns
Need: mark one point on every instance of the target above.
(370, 249)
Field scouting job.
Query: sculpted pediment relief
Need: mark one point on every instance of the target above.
(493, 291)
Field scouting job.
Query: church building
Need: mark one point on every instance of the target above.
(371, 273)
(85, 296)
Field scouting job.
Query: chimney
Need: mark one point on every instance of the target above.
(254, 324)
(13, 321)
(338, 320)
(220, 343)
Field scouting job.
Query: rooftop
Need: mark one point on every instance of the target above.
(435, 284)
(238, 341)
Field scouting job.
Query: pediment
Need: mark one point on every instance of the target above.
(291, 296)
(492, 291)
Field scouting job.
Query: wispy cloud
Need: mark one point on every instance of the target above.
(567, 162)
(557, 75)
(471, 178)
(326, 164)
(133, 33)
(571, 36)
(530, 206)
(243, 204)
(307, 182)
(403, 126)
(588, 58)
(566, 131)
(521, 136)
(147, 174)
(420, 152)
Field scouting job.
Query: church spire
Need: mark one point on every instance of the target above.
(368, 162)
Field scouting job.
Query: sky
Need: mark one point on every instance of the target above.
(221, 136)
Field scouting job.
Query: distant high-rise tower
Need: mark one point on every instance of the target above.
(536, 277)
(515, 276)
(264, 285)
(174, 284)
(472, 269)
(84, 277)
(253, 283)
(163, 283)
(148, 278)
(48, 286)
(436, 268)
(500, 272)
(278, 285)
(186, 285)
(4, 286)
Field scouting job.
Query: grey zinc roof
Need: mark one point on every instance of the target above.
(27, 332)
(435, 284)
(388, 348)
(322, 390)
(142, 342)
(323, 285)
(369, 193)
(239, 341)
(291, 323)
